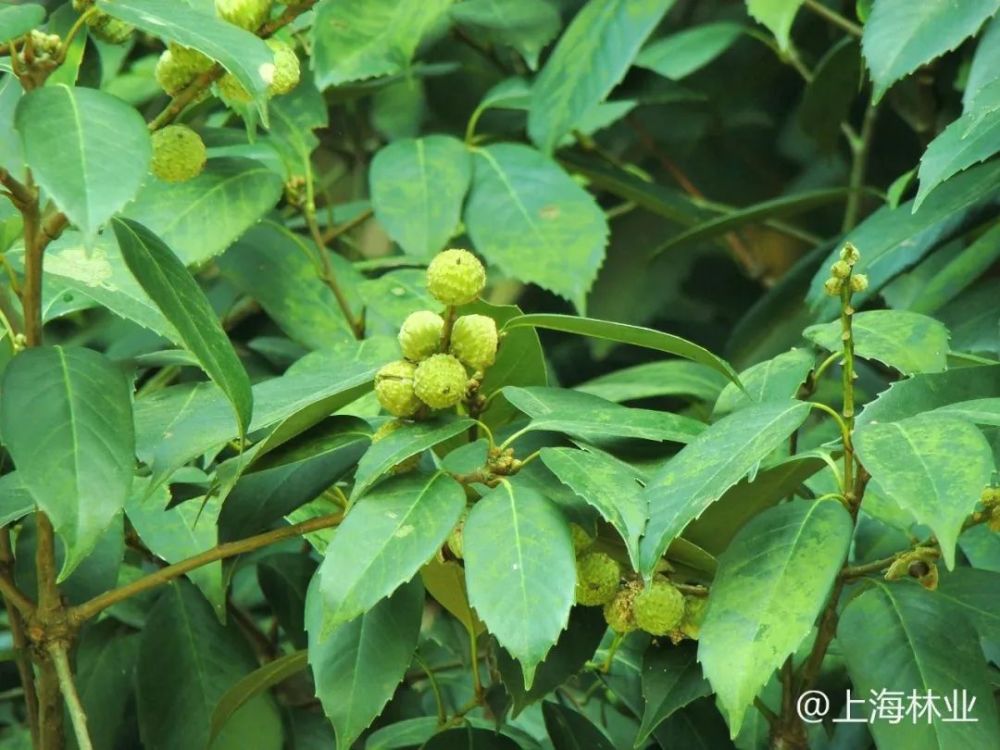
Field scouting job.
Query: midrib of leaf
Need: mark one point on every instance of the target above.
(920, 459)
(515, 197)
(207, 194)
(598, 29)
(911, 644)
(84, 193)
(519, 552)
(200, 669)
(422, 163)
(73, 429)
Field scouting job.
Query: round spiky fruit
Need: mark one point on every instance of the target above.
(455, 539)
(171, 74)
(232, 90)
(474, 341)
(286, 68)
(597, 576)
(694, 615)
(455, 277)
(247, 14)
(440, 381)
(833, 285)
(841, 269)
(394, 388)
(190, 59)
(659, 607)
(582, 539)
(420, 335)
(178, 154)
(619, 613)
(109, 29)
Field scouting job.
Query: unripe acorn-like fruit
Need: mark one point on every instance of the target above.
(455, 277)
(859, 282)
(841, 269)
(420, 335)
(619, 613)
(171, 74)
(582, 539)
(597, 577)
(247, 14)
(109, 29)
(440, 381)
(232, 90)
(394, 388)
(659, 607)
(286, 68)
(190, 59)
(178, 154)
(474, 341)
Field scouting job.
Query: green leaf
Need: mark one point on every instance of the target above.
(570, 730)
(417, 189)
(237, 50)
(105, 670)
(681, 54)
(397, 446)
(19, 19)
(187, 662)
(445, 581)
(521, 571)
(177, 424)
(272, 483)
(827, 100)
(284, 580)
(384, 541)
(610, 486)
(256, 683)
(575, 647)
(981, 411)
(591, 57)
(181, 300)
(525, 25)
(593, 418)
(708, 466)
(985, 61)
(65, 138)
(777, 16)
(899, 37)
(278, 268)
(671, 679)
(902, 636)
(913, 461)
(66, 419)
(975, 593)
(906, 341)
(772, 583)
(913, 396)
(672, 377)
(470, 738)
(626, 334)
(358, 665)
(358, 39)
(892, 240)
(972, 138)
(177, 533)
(775, 379)
(201, 217)
(15, 500)
(770, 209)
(531, 220)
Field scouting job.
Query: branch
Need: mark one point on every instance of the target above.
(77, 715)
(833, 17)
(79, 614)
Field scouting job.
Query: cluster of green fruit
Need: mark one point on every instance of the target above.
(437, 349)
(179, 154)
(991, 504)
(842, 274)
(658, 608)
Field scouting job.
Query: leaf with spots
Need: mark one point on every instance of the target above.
(521, 571)
(417, 188)
(530, 219)
(385, 540)
(772, 583)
